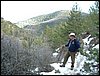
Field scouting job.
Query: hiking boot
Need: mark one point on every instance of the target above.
(72, 65)
(72, 68)
(62, 65)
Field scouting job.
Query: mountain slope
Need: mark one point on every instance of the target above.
(39, 23)
(51, 23)
(8, 28)
(38, 19)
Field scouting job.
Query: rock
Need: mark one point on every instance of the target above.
(78, 74)
(57, 71)
(84, 35)
(46, 68)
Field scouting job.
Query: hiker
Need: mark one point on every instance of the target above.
(73, 47)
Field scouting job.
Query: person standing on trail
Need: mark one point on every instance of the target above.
(73, 47)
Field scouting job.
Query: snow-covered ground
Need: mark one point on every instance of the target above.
(66, 70)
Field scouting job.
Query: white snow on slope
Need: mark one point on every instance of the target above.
(87, 40)
(49, 20)
(55, 54)
(36, 69)
(57, 49)
(97, 46)
(66, 70)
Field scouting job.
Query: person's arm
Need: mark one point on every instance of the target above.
(77, 44)
(67, 44)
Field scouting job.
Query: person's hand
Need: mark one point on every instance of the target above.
(63, 46)
(78, 50)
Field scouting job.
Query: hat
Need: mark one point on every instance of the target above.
(72, 34)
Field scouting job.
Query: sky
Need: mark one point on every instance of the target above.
(15, 11)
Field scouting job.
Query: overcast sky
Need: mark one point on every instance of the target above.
(15, 11)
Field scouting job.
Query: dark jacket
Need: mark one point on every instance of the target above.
(73, 45)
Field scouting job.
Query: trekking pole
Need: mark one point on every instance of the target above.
(59, 56)
(61, 50)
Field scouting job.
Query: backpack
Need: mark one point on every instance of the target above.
(77, 42)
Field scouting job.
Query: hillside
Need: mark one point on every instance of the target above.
(39, 23)
(42, 25)
(9, 28)
(38, 19)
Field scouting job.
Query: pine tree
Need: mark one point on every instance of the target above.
(93, 27)
(94, 17)
(75, 20)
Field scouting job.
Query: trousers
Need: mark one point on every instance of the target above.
(68, 54)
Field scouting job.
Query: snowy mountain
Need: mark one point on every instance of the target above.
(43, 18)
(48, 19)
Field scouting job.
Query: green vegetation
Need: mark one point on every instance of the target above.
(8, 28)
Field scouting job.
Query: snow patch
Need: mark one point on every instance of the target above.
(37, 69)
(49, 20)
(87, 52)
(55, 54)
(97, 47)
(87, 40)
(86, 47)
(49, 73)
(57, 49)
(92, 61)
